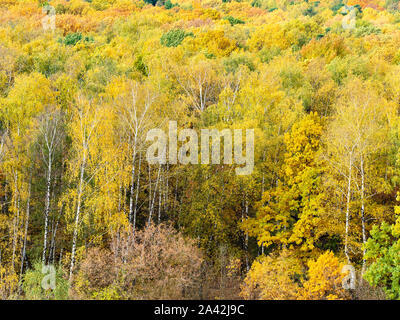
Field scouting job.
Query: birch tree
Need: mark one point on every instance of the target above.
(49, 141)
(86, 117)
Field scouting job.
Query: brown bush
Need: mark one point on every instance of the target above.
(158, 264)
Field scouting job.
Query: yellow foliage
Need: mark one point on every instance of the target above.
(324, 279)
(213, 42)
(272, 277)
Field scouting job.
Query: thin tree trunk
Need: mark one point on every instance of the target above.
(77, 215)
(246, 243)
(137, 195)
(364, 236)
(346, 248)
(159, 200)
(25, 233)
(149, 191)
(132, 182)
(166, 190)
(47, 209)
(245, 214)
(16, 220)
(53, 238)
(154, 196)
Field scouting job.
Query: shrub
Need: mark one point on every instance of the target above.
(174, 38)
(231, 64)
(72, 39)
(152, 2)
(169, 5)
(233, 20)
(324, 279)
(8, 282)
(337, 6)
(32, 284)
(310, 11)
(383, 257)
(267, 54)
(272, 278)
(159, 264)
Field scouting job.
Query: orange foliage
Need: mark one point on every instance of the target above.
(328, 47)
(324, 279)
(365, 4)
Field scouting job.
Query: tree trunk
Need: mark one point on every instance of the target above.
(346, 248)
(137, 196)
(25, 233)
(77, 215)
(364, 235)
(47, 209)
(132, 182)
(154, 196)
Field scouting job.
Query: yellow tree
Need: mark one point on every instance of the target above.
(357, 141)
(273, 277)
(324, 281)
(291, 212)
(28, 97)
(84, 129)
(135, 108)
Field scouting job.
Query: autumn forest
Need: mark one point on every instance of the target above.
(83, 81)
